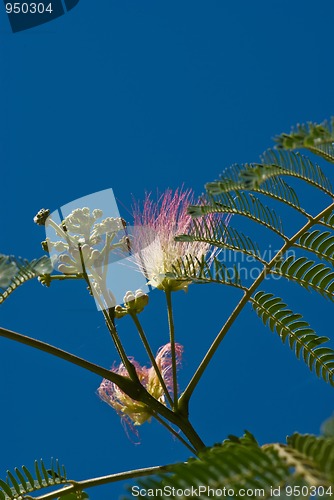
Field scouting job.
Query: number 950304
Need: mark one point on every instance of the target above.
(28, 8)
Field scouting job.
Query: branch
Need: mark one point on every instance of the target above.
(98, 481)
(185, 397)
(133, 389)
(124, 383)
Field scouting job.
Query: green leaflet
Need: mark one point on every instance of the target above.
(301, 338)
(319, 450)
(201, 271)
(296, 165)
(262, 177)
(328, 220)
(321, 243)
(308, 274)
(222, 236)
(244, 204)
(317, 138)
(25, 270)
(240, 464)
(23, 482)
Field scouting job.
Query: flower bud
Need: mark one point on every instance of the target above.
(41, 216)
(120, 312)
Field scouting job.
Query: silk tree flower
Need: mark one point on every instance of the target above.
(154, 246)
(84, 243)
(134, 413)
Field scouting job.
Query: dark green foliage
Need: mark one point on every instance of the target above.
(318, 450)
(241, 203)
(317, 138)
(296, 165)
(25, 271)
(301, 338)
(200, 271)
(306, 273)
(231, 195)
(23, 482)
(318, 242)
(241, 464)
(222, 236)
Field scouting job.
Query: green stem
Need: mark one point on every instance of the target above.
(110, 325)
(120, 349)
(62, 277)
(172, 344)
(99, 481)
(174, 432)
(150, 355)
(132, 388)
(125, 384)
(185, 397)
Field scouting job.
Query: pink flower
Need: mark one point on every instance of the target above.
(134, 412)
(154, 245)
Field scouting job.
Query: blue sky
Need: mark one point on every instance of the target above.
(139, 96)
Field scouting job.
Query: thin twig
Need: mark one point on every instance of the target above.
(172, 344)
(151, 356)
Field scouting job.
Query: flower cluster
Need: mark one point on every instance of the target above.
(84, 245)
(134, 302)
(134, 412)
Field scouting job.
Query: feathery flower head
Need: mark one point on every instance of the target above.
(154, 245)
(134, 413)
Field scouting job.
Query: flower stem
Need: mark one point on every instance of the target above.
(110, 325)
(174, 432)
(120, 349)
(132, 388)
(172, 344)
(150, 355)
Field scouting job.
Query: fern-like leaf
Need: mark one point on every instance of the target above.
(237, 465)
(219, 235)
(306, 273)
(257, 176)
(8, 269)
(201, 271)
(320, 243)
(328, 220)
(296, 165)
(245, 204)
(319, 450)
(23, 482)
(247, 469)
(301, 338)
(317, 138)
(25, 271)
